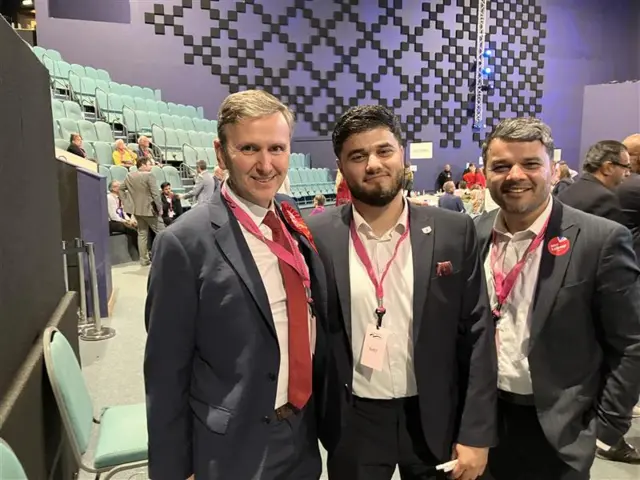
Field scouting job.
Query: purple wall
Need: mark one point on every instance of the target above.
(320, 57)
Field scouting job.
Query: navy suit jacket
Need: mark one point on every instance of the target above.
(212, 355)
(451, 202)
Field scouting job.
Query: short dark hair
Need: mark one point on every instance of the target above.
(520, 129)
(201, 165)
(362, 119)
(142, 161)
(602, 152)
(73, 137)
(164, 184)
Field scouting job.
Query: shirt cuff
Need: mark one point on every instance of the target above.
(602, 446)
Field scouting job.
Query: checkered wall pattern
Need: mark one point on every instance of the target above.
(423, 84)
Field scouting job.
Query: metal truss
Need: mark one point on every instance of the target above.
(481, 22)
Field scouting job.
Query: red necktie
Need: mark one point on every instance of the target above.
(298, 316)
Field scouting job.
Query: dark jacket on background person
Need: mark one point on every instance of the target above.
(591, 196)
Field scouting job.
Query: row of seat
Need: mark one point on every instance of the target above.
(89, 131)
(163, 174)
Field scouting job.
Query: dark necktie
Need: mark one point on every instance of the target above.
(298, 316)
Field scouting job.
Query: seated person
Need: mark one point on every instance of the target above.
(122, 155)
(119, 221)
(318, 203)
(474, 177)
(449, 200)
(75, 146)
(144, 149)
(171, 206)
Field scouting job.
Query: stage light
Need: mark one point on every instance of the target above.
(487, 70)
(488, 53)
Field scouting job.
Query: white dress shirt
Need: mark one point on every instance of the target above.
(514, 327)
(272, 280)
(113, 201)
(397, 377)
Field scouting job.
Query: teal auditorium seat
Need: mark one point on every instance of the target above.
(104, 170)
(104, 132)
(122, 432)
(10, 466)
(104, 153)
(61, 143)
(72, 110)
(57, 109)
(67, 127)
(87, 131)
(89, 150)
(157, 172)
(118, 172)
(172, 176)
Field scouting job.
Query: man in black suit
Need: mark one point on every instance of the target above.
(171, 205)
(75, 146)
(234, 313)
(605, 167)
(629, 191)
(413, 371)
(565, 291)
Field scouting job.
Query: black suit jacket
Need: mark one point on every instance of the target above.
(177, 208)
(454, 349)
(589, 195)
(584, 352)
(76, 150)
(212, 356)
(629, 197)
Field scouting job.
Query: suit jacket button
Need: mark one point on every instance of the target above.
(272, 376)
(266, 419)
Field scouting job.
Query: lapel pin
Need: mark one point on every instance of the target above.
(558, 246)
(426, 230)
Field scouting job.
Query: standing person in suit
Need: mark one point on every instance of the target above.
(629, 192)
(564, 288)
(142, 199)
(605, 167)
(205, 184)
(236, 299)
(413, 370)
(443, 177)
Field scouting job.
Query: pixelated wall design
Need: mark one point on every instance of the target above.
(323, 58)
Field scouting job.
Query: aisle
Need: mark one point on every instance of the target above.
(113, 368)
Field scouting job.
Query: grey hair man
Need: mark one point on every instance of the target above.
(205, 185)
(565, 292)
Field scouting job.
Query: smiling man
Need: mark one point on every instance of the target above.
(234, 314)
(413, 370)
(565, 294)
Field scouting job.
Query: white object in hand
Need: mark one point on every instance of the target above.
(447, 467)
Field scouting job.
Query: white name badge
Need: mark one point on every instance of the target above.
(374, 347)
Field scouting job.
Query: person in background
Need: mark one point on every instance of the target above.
(144, 149)
(235, 315)
(122, 155)
(564, 289)
(171, 206)
(219, 175)
(477, 194)
(342, 190)
(119, 220)
(408, 180)
(318, 204)
(474, 177)
(449, 200)
(562, 178)
(75, 146)
(205, 185)
(605, 167)
(443, 177)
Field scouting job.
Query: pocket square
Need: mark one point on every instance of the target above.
(444, 269)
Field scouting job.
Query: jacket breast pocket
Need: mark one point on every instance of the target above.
(216, 418)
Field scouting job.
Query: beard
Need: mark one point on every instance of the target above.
(379, 196)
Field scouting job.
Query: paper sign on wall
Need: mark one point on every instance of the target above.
(413, 168)
(480, 161)
(557, 155)
(422, 150)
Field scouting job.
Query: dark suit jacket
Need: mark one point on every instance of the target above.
(76, 150)
(212, 355)
(562, 185)
(629, 197)
(584, 353)
(589, 195)
(177, 208)
(454, 349)
(451, 202)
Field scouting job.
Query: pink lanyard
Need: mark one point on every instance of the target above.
(361, 251)
(504, 283)
(295, 259)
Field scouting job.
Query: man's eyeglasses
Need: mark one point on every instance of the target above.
(626, 166)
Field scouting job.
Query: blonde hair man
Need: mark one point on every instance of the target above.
(228, 367)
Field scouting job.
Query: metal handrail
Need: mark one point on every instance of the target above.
(135, 119)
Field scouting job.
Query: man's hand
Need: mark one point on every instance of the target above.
(471, 462)
(192, 477)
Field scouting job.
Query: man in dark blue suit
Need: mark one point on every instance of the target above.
(449, 201)
(234, 313)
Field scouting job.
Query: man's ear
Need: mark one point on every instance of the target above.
(220, 153)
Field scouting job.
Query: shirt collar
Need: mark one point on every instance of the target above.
(400, 226)
(535, 228)
(255, 212)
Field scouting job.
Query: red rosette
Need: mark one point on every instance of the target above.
(296, 222)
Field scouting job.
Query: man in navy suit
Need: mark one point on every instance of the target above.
(450, 201)
(236, 297)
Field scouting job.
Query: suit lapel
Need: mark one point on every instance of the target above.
(340, 259)
(233, 245)
(552, 269)
(484, 229)
(422, 234)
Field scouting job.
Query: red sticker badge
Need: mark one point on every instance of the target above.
(558, 246)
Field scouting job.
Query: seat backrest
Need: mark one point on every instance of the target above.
(67, 127)
(118, 173)
(39, 52)
(183, 137)
(103, 85)
(136, 91)
(127, 101)
(167, 121)
(152, 105)
(88, 148)
(88, 86)
(141, 103)
(143, 120)
(172, 176)
(104, 153)
(194, 139)
(78, 70)
(57, 109)
(163, 107)
(54, 54)
(10, 466)
(104, 75)
(87, 131)
(91, 72)
(114, 103)
(69, 388)
(190, 111)
(103, 130)
(159, 174)
(159, 137)
(154, 117)
(211, 157)
(187, 123)
(172, 138)
(192, 155)
(148, 93)
(62, 70)
(62, 143)
(72, 110)
(126, 89)
(106, 171)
